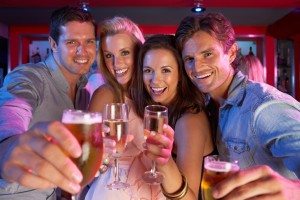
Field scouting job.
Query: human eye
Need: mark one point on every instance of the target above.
(71, 42)
(107, 55)
(166, 70)
(207, 54)
(91, 41)
(188, 59)
(125, 53)
(146, 70)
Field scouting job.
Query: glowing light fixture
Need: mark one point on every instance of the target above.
(85, 6)
(198, 7)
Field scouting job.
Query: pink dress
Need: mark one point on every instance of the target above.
(132, 165)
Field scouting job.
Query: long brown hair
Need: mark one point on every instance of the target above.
(114, 26)
(187, 99)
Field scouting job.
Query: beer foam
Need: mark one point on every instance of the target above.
(221, 166)
(79, 117)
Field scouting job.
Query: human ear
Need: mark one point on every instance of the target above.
(232, 52)
(53, 44)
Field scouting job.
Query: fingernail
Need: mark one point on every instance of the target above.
(215, 193)
(77, 176)
(75, 188)
(144, 145)
(75, 151)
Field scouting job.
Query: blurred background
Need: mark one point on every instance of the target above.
(270, 29)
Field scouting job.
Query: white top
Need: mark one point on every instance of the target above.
(132, 165)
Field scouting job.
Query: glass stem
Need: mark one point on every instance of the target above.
(153, 167)
(117, 178)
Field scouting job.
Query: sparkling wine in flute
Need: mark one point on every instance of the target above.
(154, 124)
(155, 116)
(115, 117)
(118, 132)
(87, 130)
(214, 172)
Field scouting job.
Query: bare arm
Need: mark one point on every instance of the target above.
(101, 96)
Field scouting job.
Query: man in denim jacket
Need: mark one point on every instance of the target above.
(258, 125)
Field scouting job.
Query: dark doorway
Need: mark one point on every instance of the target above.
(3, 58)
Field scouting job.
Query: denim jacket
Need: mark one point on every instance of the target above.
(259, 125)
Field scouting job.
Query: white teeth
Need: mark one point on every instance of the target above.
(157, 91)
(121, 71)
(204, 75)
(81, 61)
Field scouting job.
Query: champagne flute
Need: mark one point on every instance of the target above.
(87, 129)
(155, 116)
(115, 118)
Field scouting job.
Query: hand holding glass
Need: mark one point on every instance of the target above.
(115, 119)
(155, 116)
(87, 129)
(215, 170)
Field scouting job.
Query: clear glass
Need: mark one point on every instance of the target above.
(87, 129)
(215, 170)
(155, 116)
(115, 120)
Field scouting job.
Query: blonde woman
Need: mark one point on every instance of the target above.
(120, 40)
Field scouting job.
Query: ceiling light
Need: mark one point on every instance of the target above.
(198, 7)
(85, 6)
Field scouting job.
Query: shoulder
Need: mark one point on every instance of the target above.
(263, 94)
(191, 124)
(102, 95)
(191, 118)
(27, 72)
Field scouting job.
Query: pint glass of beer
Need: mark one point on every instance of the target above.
(87, 129)
(215, 170)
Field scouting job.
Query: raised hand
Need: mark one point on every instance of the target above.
(159, 146)
(41, 158)
(259, 182)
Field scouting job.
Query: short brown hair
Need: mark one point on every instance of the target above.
(215, 24)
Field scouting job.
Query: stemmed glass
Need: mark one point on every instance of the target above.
(155, 116)
(115, 119)
(87, 129)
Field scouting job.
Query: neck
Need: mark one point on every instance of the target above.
(220, 94)
(71, 78)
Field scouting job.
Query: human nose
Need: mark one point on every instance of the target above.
(81, 49)
(156, 77)
(117, 61)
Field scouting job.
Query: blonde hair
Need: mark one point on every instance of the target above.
(111, 27)
(251, 66)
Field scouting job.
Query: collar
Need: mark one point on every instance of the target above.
(58, 76)
(237, 90)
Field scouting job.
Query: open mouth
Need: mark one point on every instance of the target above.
(158, 90)
(121, 72)
(81, 61)
(204, 75)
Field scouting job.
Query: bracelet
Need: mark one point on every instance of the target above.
(180, 193)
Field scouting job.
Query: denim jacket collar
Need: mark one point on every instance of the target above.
(237, 90)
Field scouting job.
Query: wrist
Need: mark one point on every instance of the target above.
(180, 193)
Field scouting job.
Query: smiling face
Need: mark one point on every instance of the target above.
(75, 51)
(207, 65)
(118, 53)
(160, 75)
